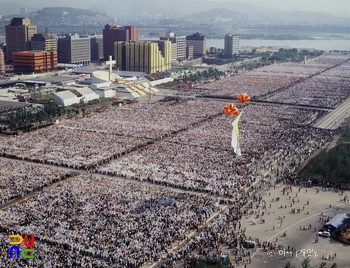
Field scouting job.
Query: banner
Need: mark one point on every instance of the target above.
(235, 135)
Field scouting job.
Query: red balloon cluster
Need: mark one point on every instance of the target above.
(230, 109)
(243, 97)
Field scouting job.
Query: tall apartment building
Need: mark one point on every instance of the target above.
(74, 49)
(18, 35)
(43, 42)
(231, 45)
(112, 33)
(178, 44)
(199, 43)
(2, 62)
(143, 56)
(34, 61)
(96, 46)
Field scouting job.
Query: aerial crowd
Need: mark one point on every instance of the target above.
(131, 183)
(323, 82)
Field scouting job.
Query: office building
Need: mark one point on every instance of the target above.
(35, 61)
(96, 46)
(112, 34)
(74, 49)
(143, 56)
(2, 62)
(178, 52)
(18, 35)
(231, 47)
(43, 42)
(189, 52)
(199, 43)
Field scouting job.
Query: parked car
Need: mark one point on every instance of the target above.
(324, 229)
(249, 244)
(324, 233)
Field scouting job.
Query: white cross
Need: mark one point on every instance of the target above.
(110, 62)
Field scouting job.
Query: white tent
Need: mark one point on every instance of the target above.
(65, 98)
(87, 93)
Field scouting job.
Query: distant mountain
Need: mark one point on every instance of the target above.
(242, 13)
(69, 11)
(68, 17)
(171, 8)
(269, 18)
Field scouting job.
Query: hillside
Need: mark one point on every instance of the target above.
(331, 165)
(67, 16)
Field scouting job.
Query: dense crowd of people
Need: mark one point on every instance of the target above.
(19, 178)
(320, 91)
(254, 84)
(91, 141)
(123, 223)
(97, 221)
(202, 158)
(322, 82)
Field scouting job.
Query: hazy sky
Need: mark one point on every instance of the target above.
(329, 6)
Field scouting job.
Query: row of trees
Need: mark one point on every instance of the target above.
(25, 118)
(293, 54)
(306, 264)
(331, 166)
(197, 77)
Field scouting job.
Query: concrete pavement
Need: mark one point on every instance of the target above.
(335, 118)
(311, 204)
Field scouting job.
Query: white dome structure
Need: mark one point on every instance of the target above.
(101, 79)
(103, 76)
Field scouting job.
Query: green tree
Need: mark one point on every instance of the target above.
(288, 265)
(306, 263)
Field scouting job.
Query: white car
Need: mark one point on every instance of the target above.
(324, 233)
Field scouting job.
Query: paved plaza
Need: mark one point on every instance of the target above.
(279, 219)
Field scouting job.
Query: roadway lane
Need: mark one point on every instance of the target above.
(335, 118)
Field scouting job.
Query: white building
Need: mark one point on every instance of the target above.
(178, 46)
(87, 94)
(231, 45)
(65, 98)
(74, 96)
(106, 92)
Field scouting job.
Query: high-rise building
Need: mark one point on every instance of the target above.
(199, 43)
(112, 33)
(34, 61)
(178, 52)
(231, 45)
(189, 52)
(2, 62)
(143, 56)
(74, 49)
(43, 42)
(18, 35)
(96, 46)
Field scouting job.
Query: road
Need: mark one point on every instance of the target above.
(335, 118)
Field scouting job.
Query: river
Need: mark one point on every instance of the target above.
(321, 44)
